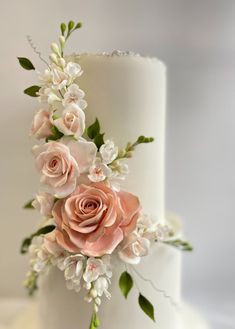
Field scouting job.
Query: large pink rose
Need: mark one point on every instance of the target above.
(61, 163)
(95, 219)
(41, 126)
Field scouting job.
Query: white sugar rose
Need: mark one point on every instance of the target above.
(74, 95)
(44, 202)
(108, 151)
(72, 121)
(133, 248)
(41, 125)
(99, 171)
(61, 163)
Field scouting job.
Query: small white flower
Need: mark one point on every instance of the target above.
(108, 151)
(146, 227)
(45, 78)
(73, 70)
(47, 95)
(75, 95)
(99, 171)
(44, 203)
(72, 121)
(120, 171)
(101, 286)
(133, 248)
(94, 268)
(73, 270)
(163, 232)
(59, 78)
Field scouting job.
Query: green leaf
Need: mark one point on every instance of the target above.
(146, 307)
(29, 205)
(32, 91)
(27, 241)
(55, 134)
(26, 63)
(93, 129)
(125, 283)
(99, 140)
(95, 322)
(71, 25)
(62, 28)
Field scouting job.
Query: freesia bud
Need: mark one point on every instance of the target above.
(55, 48)
(62, 41)
(93, 293)
(54, 58)
(61, 62)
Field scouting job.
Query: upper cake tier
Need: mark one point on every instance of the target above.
(128, 95)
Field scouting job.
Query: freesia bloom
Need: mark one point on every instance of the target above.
(95, 219)
(74, 95)
(73, 70)
(99, 171)
(44, 202)
(133, 248)
(59, 78)
(73, 271)
(60, 165)
(41, 126)
(72, 121)
(108, 151)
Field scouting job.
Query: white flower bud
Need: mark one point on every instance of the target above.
(61, 62)
(62, 40)
(55, 48)
(93, 293)
(88, 299)
(96, 309)
(53, 58)
(98, 301)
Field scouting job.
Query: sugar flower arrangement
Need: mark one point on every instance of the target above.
(88, 219)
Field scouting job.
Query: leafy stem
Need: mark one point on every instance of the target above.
(130, 147)
(180, 244)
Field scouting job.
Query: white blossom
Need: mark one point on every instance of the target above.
(74, 95)
(73, 271)
(73, 70)
(47, 95)
(163, 232)
(94, 268)
(59, 78)
(101, 286)
(99, 171)
(45, 78)
(120, 171)
(108, 151)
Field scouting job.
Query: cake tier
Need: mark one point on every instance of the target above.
(127, 94)
(61, 308)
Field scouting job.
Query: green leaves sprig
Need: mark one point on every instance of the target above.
(146, 307)
(130, 147)
(126, 284)
(93, 132)
(31, 282)
(55, 134)
(32, 91)
(29, 205)
(180, 244)
(27, 241)
(26, 63)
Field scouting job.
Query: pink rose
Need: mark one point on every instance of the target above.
(72, 121)
(60, 165)
(95, 219)
(41, 126)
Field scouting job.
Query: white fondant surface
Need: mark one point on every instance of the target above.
(23, 315)
(60, 308)
(128, 95)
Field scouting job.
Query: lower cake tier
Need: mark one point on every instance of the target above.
(157, 277)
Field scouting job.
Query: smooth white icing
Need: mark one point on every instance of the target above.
(128, 95)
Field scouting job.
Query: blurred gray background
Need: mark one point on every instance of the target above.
(196, 39)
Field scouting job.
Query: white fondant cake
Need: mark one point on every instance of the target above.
(128, 95)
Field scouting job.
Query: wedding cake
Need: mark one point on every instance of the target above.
(106, 254)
